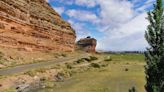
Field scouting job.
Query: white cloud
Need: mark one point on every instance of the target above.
(82, 15)
(88, 3)
(114, 12)
(122, 21)
(129, 36)
(81, 31)
(60, 10)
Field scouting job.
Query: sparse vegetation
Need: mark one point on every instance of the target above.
(41, 70)
(80, 61)
(92, 58)
(10, 90)
(126, 69)
(64, 55)
(95, 65)
(96, 69)
(89, 59)
(1, 55)
(49, 84)
(69, 66)
(132, 89)
(104, 78)
(43, 79)
(31, 73)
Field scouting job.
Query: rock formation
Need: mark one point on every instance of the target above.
(87, 44)
(34, 25)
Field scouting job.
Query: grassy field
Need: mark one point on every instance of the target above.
(122, 73)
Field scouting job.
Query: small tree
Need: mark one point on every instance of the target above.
(155, 54)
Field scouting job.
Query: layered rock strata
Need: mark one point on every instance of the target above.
(87, 44)
(34, 25)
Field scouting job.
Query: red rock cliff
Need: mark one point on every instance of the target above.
(87, 44)
(34, 25)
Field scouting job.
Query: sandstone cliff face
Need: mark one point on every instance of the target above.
(87, 44)
(33, 25)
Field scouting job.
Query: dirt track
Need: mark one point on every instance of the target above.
(23, 68)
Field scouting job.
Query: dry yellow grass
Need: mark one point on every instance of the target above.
(122, 73)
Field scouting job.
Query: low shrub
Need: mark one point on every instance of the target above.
(92, 58)
(87, 59)
(64, 55)
(126, 69)
(41, 70)
(80, 61)
(104, 65)
(95, 65)
(43, 79)
(132, 89)
(31, 73)
(69, 66)
(1, 55)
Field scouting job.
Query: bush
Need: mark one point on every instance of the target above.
(80, 61)
(1, 55)
(126, 69)
(132, 89)
(95, 65)
(92, 58)
(43, 79)
(41, 70)
(87, 59)
(64, 55)
(104, 65)
(69, 66)
(31, 73)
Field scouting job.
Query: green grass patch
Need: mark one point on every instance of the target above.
(107, 58)
(127, 57)
(113, 77)
(10, 90)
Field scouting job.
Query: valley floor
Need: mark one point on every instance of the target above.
(122, 73)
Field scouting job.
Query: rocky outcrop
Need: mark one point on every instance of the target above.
(87, 44)
(34, 25)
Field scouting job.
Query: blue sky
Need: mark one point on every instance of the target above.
(117, 25)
